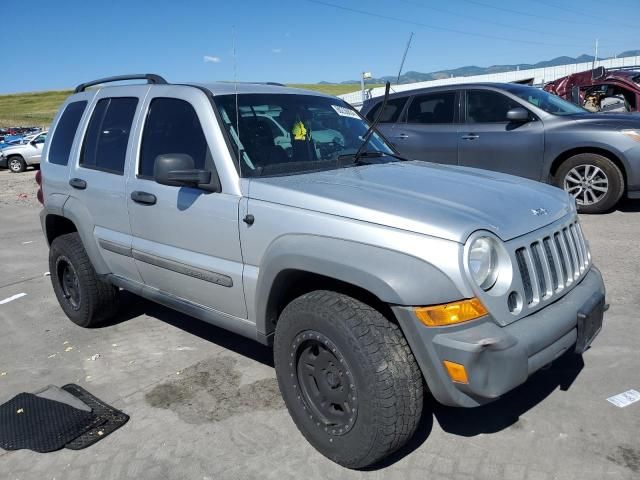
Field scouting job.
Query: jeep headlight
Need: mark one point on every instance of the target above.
(483, 262)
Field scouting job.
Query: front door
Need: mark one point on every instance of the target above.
(34, 153)
(429, 131)
(186, 240)
(488, 140)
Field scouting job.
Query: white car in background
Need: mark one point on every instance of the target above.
(17, 157)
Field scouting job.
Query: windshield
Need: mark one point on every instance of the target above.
(546, 101)
(288, 133)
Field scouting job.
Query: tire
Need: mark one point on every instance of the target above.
(359, 355)
(85, 298)
(16, 164)
(576, 172)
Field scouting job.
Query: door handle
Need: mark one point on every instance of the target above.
(78, 183)
(402, 136)
(470, 136)
(143, 197)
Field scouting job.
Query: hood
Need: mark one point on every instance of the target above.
(437, 200)
(610, 120)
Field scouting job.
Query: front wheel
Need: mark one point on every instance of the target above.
(348, 378)
(593, 180)
(17, 164)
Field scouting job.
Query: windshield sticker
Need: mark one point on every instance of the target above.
(345, 112)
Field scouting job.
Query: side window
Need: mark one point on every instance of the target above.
(40, 139)
(432, 108)
(65, 132)
(391, 111)
(172, 126)
(485, 106)
(105, 143)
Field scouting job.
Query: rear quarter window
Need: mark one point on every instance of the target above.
(65, 132)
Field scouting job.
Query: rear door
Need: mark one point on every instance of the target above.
(487, 140)
(429, 129)
(97, 178)
(186, 240)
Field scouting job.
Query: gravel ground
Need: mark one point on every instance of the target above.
(204, 402)
(18, 189)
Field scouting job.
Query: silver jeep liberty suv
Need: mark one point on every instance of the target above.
(278, 214)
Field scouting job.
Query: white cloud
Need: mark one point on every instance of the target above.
(276, 50)
(209, 58)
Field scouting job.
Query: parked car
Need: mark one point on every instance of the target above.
(597, 88)
(17, 157)
(372, 277)
(519, 130)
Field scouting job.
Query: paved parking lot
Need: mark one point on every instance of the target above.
(204, 403)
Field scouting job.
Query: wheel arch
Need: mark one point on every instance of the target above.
(297, 264)
(561, 158)
(56, 225)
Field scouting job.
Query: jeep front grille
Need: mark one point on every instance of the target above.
(550, 264)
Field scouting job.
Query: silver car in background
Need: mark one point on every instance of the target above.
(27, 153)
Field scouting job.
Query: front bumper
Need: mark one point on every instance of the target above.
(3, 162)
(497, 359)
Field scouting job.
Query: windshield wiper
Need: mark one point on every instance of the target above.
(367, 135)
(362, 158)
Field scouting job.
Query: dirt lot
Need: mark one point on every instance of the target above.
(18, 189)
(204, 403)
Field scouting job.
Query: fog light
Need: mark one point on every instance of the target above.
(456, 371)
(451, 313)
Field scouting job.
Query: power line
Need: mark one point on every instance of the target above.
(484, 20)
(528, 14)
(444, 29)
(582, 14)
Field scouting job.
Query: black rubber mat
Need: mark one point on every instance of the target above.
(111, 419)
(42, 425)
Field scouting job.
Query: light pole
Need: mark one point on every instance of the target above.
(365, 76)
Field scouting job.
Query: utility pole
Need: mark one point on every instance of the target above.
(595, 59)
(404, 57)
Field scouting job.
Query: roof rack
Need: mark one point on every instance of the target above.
(149, 77)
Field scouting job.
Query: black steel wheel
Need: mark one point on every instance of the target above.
(325, 381)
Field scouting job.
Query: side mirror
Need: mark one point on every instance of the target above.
(518, 115)
(33, 143)
(178, 170)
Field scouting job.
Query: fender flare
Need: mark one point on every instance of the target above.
(393, 277)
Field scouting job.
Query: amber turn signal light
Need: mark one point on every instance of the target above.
(451, 313)
(456, 371)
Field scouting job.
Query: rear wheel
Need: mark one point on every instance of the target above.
(593, 180)
(85, 298)
(348, 378)
(16, 164)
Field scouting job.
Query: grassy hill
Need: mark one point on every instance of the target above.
(32, 109)
(38, 109)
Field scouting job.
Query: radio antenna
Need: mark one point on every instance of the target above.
(406, 50)
(235, 84)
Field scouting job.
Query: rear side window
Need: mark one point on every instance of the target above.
(65, 132)
(172, 126)
(432, 108)
(391, 111)
(105, 143)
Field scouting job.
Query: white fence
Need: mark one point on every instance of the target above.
(539, 76)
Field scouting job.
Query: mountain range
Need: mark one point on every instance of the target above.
(411, 77)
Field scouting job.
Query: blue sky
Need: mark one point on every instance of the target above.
(58, 44)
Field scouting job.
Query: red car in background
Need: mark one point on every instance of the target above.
(600, 89)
